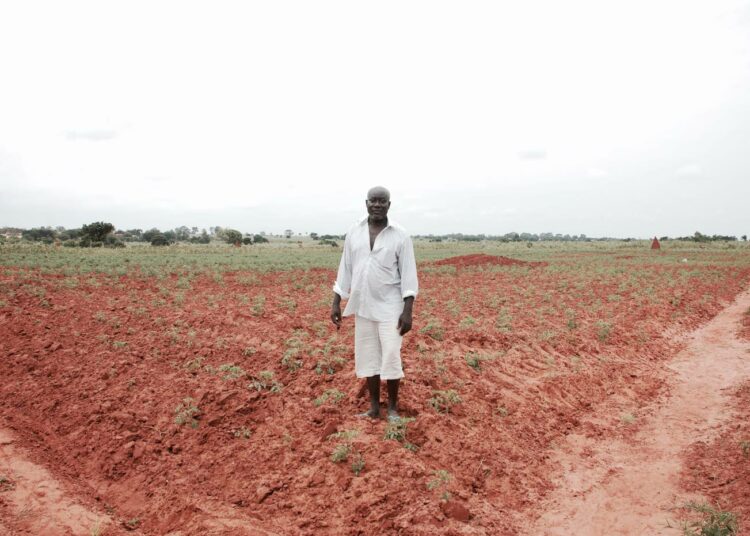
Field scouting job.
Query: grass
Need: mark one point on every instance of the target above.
(332, 395)
(186, 412)
(397, 430)
(443, 401)
(265, 380)
(341, 453)
(713, 521)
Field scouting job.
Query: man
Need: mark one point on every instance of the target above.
(378, 276)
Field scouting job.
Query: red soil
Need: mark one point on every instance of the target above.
(720, 469)
(480, 259)
(95, 368)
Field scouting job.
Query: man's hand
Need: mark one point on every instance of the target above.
(336, 311)
(404, 321)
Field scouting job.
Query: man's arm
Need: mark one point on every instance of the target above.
(407, 267)
(343, 282)
(404, 321)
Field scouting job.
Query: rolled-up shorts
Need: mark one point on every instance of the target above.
(377, 349)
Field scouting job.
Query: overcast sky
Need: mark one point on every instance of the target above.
(604, 118)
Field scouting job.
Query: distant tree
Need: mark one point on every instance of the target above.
(148, 236)
(744, 238)
(258, 239)
(314, 236)
(170, 236)
(182, 233)
(97, 231)
(111, 241)
(202, 238)
(248, 240)
(40, 234)
(700, 237)
(232, 236)
(134, 235)
(158, 239)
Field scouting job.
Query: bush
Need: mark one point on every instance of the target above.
(97, 231)
(159, 240)
(231, 236)
(258, 239)
(112, 242)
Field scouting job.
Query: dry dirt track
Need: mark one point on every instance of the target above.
(35, 502)
(630, 486)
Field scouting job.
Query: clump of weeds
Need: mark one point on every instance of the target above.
(603, 330)
(443, 401)
(341, 453)
(439, 481)
(231, 371)
(259, 305)
(242, 432)
(712, 522)
(358, 463)
(397, 430)
(433, 329)
(265, 381)
(186, 413)
(332, 395)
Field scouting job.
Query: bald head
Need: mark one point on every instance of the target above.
(378, 202)
(379, 191)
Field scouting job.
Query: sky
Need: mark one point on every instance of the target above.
(623, 119)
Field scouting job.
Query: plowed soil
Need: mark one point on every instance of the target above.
(151, 404)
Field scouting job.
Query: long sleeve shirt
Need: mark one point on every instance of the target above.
(377, 281)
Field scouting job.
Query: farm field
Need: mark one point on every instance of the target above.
(204, 390)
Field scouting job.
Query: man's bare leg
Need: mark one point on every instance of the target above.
(373, 385)
(393, 399)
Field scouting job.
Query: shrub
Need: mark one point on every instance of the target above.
(186, 412)
(397, 430)
(340, 453)
(443, 401)
(334, 395)
(713, 521)
(433, 329)
(265, 380)
(159, 239)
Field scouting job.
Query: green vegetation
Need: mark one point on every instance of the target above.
(341, 453)
(186, 413)
(332, 395)
(397, 430)
(265, 381)
(712, 522)
(443, 401)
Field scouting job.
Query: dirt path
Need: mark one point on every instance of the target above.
(33, 502)
(630, 486)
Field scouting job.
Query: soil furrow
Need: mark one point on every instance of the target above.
(630, 485)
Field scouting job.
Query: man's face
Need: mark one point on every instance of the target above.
(378, 202)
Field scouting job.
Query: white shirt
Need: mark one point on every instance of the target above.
(376, 282)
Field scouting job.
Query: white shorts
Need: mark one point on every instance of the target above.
(377, 349)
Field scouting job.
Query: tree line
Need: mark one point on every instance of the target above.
(552, 237)
(104, 234)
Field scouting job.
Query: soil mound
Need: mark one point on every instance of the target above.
(479, 259)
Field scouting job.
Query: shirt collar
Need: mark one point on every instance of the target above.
(363, 221)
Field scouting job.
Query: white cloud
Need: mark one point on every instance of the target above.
(90, 135)
(689, 171)
(597, 173)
